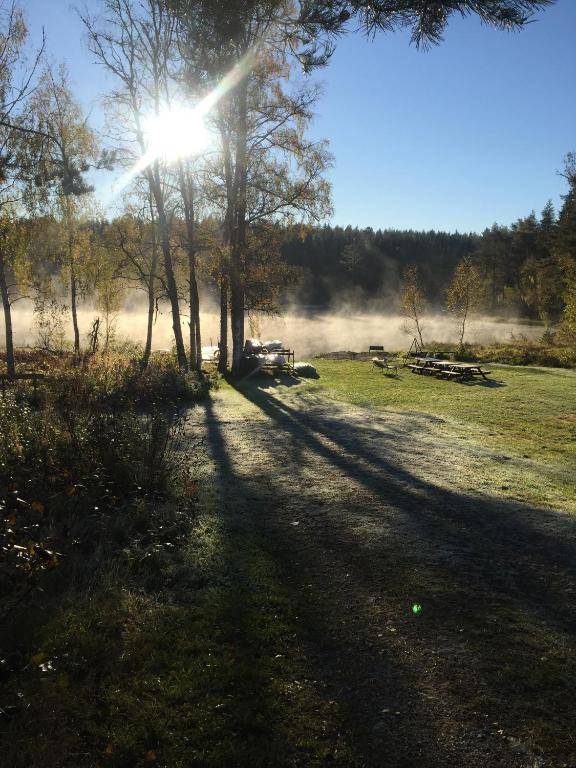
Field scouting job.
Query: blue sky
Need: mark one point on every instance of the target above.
(455, 138)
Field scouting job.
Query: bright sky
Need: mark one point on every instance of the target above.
(457, 137)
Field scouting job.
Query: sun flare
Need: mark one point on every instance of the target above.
(176, 133)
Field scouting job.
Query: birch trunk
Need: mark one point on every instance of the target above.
(10, 363)
(155, 185)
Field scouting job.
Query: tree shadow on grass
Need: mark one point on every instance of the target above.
(357, 678)
(505, 571)
(486, 383)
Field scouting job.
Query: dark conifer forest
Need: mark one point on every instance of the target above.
(525, 267)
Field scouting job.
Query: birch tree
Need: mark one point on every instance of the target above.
(413, 303)
(134, 239)
(134, 42)
(464, 295)
(60, 180)
(15, 134)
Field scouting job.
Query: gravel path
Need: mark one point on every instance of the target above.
(369, 514)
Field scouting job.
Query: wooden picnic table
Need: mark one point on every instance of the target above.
(448, 369)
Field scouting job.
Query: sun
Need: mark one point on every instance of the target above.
(175, 134)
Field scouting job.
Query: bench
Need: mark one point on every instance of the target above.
(384, 365)
(375, 348)
(462, 373)
(449, 374)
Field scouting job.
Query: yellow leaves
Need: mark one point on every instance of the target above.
(109, 749)
(38, 507)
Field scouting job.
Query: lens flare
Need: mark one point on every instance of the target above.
(176, 133)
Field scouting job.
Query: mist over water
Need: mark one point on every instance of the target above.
(306, 333)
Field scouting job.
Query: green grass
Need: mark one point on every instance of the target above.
(201, 672)
(528, 414)
(192, 656)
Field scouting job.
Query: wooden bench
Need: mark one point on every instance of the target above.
(375, 348)
(450, 374)
(463, 373)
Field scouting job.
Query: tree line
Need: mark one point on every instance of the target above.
(525, 269)
(244, 68)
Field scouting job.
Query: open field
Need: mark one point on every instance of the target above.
(522, 422)
(355, 586)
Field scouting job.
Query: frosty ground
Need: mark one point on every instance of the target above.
(433, 613)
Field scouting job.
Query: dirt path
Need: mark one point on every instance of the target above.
(368, 515)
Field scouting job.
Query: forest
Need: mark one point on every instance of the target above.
(526, 269)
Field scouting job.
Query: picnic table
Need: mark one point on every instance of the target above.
(448, 369)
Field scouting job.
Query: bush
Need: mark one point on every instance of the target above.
(87, 463)
(520, 352)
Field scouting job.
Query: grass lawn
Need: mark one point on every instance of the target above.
(528, 414)
(201, 652)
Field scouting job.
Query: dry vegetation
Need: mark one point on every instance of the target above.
(88, 463)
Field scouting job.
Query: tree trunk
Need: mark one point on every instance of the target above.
(237, 318)
(187, 193)
(10, 363)
(154, 180)
(150, 323)
(224, 263)
(195, 339)
(74, 309)
(237, 298)
(223, 342)
(68, 216)
(150, 292)
(463, 329)
(419, 330)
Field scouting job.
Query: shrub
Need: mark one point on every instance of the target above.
(96, 454)
(518, 352)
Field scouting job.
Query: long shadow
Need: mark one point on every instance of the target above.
(499, 522)
(343, 674)
(501, 550)
(254, 723)
(487, 383)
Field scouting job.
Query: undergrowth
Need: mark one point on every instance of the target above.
(516, 352)
(93, 482)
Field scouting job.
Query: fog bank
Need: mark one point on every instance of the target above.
(306, 333)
